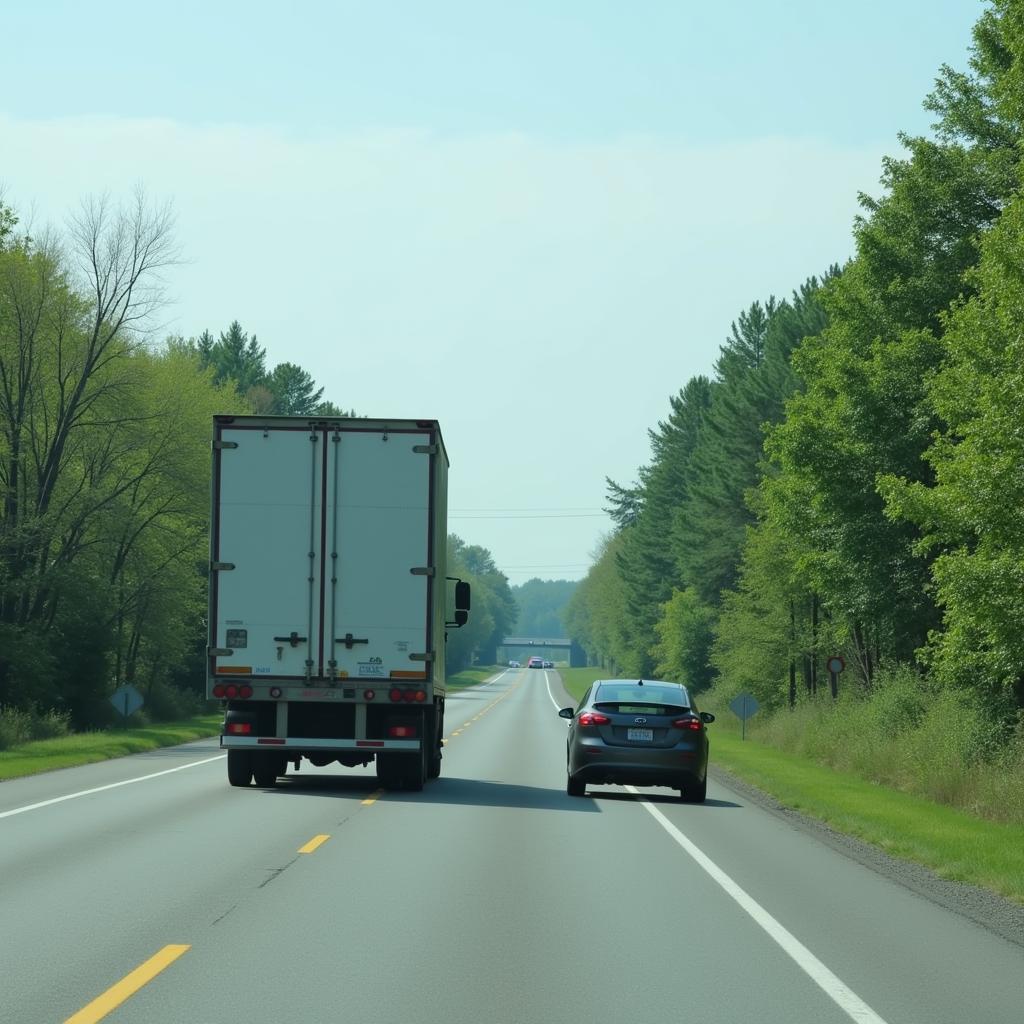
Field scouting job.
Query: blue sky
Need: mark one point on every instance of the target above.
(533, 221)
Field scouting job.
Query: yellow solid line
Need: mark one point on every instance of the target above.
(372, 798)
(313, 844)
(127, 986)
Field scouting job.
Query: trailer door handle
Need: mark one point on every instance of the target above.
(349, 640)
(294, 639)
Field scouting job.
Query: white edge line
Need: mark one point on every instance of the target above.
(840, 994)
(547, 683)
(112, 785)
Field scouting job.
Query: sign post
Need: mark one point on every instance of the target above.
(835, 665)
(126, 700)
(744, 706)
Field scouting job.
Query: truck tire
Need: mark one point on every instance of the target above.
(434, 754)
(389, 770)
(239, 767)
(417, 768)
(264, 769)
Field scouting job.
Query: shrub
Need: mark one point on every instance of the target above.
(22, 725)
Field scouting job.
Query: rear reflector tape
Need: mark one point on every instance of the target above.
(272, 740)
(369, 743)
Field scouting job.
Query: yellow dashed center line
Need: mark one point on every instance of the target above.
(466, 725)
(314, 843)
(127, 986)
(373, 798)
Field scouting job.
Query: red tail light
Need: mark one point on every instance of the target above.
(230, 691)
(408, 696)
(240, 728)
(689, 722)
(395, 694)
(421, 696)
(218, 690)
(402, 732)
(589, 718)
(245, 690)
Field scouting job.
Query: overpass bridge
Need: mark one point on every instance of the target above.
(557, 649)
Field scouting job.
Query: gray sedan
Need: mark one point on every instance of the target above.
(641, 732)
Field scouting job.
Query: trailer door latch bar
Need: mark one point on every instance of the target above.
(293, 639)
(349, 640)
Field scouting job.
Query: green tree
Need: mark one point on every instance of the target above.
(971, 518)
(294, 391)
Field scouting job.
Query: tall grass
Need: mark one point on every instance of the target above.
(906, 734)
(19, 726)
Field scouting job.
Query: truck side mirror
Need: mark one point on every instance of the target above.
(462, 601)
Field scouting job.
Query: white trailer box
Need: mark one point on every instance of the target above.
(328, 594)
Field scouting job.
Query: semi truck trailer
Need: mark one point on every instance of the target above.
(329, 597)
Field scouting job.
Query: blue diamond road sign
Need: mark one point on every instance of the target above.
(126, 700)
(744, 706)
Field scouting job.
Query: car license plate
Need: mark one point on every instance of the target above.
(640, 735)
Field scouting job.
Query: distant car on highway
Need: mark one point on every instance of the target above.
(639, 732)
(514, 664)
(548, 664)
(535, 663)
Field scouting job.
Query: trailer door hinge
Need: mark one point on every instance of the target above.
(425, 449)
(225, 444)
(422, 570)
(221, 566)
(426, 656)
(219, 652)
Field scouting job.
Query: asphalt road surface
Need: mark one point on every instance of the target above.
(147, 890)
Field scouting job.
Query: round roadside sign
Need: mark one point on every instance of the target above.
(836, 664)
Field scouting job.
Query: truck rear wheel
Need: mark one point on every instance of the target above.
(434, 758)
(265, 769)
(239, 767)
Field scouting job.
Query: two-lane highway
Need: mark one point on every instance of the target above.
(490, 896)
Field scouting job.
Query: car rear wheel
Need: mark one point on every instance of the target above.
(575, 787)
(696, 793)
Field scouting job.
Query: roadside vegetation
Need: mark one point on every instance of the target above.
(69, 751)
(846, 483)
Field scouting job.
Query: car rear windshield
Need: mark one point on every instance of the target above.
(651, 693)
(612, 707)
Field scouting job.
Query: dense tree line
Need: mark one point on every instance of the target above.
(849, 479)
(105, 470)
(540, 604)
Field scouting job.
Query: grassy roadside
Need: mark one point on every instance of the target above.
(471, 676)
(952, 843)
(88, 747)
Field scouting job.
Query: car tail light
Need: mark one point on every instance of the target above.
(240, 728)
(395, 694)
(589, 718)
(218, 690)
(689, 722)
(245, 690)
(402, 732)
